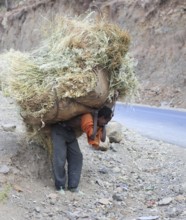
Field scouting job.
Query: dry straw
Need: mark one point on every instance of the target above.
(65, 60)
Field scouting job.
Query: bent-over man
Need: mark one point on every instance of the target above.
(66, 147)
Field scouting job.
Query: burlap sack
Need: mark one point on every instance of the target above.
(68, 108)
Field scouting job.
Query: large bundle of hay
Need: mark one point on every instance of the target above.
(80, 64)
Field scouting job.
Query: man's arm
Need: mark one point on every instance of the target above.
(103, 137)
(87, 124)
(90, 128)
(95, 125)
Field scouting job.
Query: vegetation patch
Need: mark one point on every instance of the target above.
(4, 193)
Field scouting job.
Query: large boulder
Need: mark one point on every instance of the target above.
(114, 132)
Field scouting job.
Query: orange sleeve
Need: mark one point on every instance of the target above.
(87, 126)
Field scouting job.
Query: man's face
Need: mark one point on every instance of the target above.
(102, 121)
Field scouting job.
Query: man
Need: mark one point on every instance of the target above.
(66, 146)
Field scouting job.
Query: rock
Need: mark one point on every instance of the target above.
(113, 148)
(114, 132)
(148, 218)
(37, 209)
(52, 196)
(4, 169)
(8, 127)
(118, 197)
(17, 188)
(116, 170)
(165, 201)
(103, 170)
(180, 198)
(123, 186)
(104, 201)
(50, 214)
(52, 202)
(104, 146)
(178, 189)
(100, 183)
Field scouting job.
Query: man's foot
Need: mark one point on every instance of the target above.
(61, 190)
(75, 190)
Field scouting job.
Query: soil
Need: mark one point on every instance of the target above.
(138, 178)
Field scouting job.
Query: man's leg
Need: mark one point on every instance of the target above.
(75, 162)
(59, 156)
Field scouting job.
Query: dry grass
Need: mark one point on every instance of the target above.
(65, 61)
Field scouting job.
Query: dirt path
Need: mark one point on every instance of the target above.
(136, 179)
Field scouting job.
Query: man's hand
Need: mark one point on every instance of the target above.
(103, 148)
(96, 147)
(99, 148)
(95, 125)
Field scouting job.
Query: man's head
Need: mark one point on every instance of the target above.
(104, 116)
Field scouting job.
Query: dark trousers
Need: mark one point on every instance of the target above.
(66, 148)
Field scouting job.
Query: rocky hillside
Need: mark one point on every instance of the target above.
(157, 28)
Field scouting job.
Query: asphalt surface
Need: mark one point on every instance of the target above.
(168, 125)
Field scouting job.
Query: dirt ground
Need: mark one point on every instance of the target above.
(137, 178)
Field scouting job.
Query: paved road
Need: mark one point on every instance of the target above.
(168, 125)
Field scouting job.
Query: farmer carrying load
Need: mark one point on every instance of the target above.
(77, 67)
(66, 148)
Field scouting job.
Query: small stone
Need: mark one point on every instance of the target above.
(116, 170)
(53, 201)
(104, 146)
(103, 171)
(17, 188)
(52, 196)
(4, 169)
(104, 201)
(148, 218)
(50, 214)
(113, 149)
(165, 201)
(100, 183)
(180, 198)
(37, 209)
(9, 127)
(118, 197)
(43, 204)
